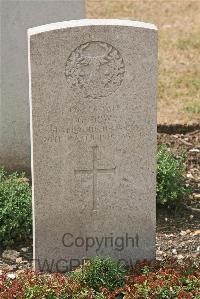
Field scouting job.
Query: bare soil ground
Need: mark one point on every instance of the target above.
(178, 22)
(178, 231)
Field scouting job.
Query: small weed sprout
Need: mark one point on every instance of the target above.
(15, 208)
(171, 184)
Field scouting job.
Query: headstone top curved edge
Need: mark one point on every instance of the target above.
(90, 22)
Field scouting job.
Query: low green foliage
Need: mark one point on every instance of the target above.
(171, 186)
(194, 108)
(15, 208)
(147, 280)
(101, 272)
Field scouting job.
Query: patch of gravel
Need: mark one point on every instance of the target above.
(16, 259)
(178, 234)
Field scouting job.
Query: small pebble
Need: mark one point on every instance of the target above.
(189, 175)
(19, 260)
(11, 275)
(174, 251)
(194, 150)
(183, 233)
(24, 249)
(180, 257)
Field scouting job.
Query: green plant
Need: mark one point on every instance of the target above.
(100, 273)
(171, 186)
(146, 280)
(195, 108)
(15, 208)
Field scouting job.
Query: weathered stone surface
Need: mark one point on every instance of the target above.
(93, 91)
(16, 18)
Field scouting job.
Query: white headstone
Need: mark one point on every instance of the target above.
(93, 111)
(16, 18)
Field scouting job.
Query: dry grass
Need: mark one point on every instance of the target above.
(179, 50)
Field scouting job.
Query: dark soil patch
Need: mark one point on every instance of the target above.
(177, 128)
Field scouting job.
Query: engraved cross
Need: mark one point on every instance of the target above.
(94, 171)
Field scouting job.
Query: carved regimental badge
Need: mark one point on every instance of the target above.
(95, 70)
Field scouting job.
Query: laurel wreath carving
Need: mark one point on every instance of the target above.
(96, 75)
